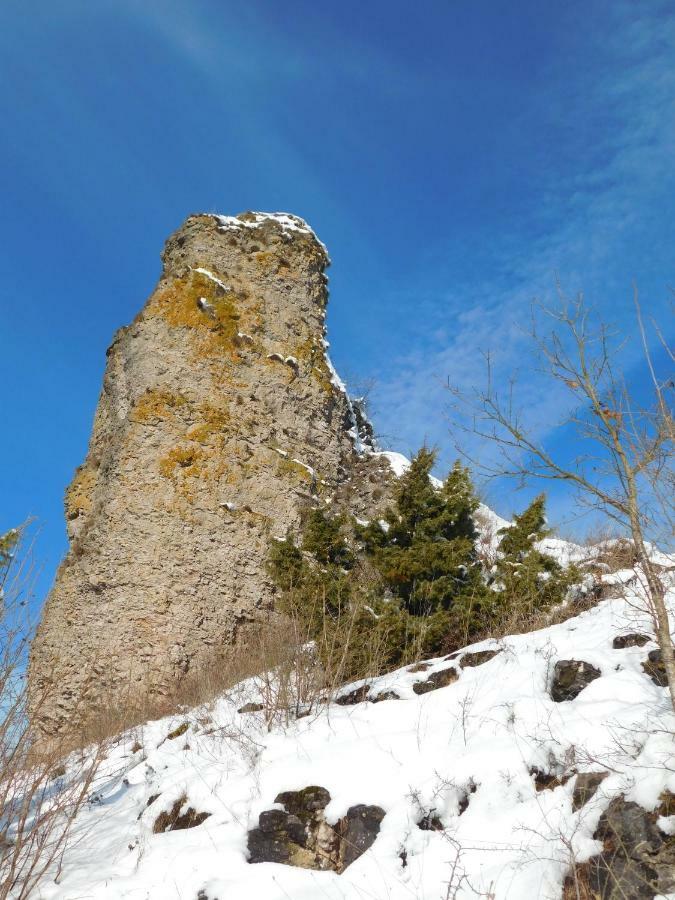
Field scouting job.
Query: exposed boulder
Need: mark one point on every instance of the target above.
(358, 695)
(570, 677)
(384, 695)
(250, 708)
(621, 641)
(357, 832)
(299, 835)
(637, 861)
(654, 667)
(436, 680)
(477, 658)
(585, 787)
(430, 822)
(547, 781)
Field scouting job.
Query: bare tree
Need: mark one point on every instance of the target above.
(41, 791)
(624, 467)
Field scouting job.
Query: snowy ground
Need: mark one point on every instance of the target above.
(477, 739)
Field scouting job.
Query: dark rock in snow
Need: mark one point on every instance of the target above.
(463, 804)
(478, 658)
(305, 802)
(251, 708)
(547, 781)
(585, 787)
(436, 680)
(637, 862)
(570, 677)
(358, 830)
(430, 822)
(300, 835)
(621, 641)
(654, 667)
(419, 667)
(385, 695)
(358, 695)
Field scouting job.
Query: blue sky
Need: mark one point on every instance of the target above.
(454, 156)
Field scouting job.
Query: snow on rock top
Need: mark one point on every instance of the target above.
(287, 221)
(463, 753)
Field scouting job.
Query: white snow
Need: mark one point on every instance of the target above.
(287, 221)
(410, 756)
(337, 382)
(212, 277)
(398, 462)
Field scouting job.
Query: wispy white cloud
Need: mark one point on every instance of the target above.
(618, 196)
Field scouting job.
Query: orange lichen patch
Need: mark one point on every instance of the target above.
(200, 304)
(313, 356)
(277, 264)
(156, 404)
(79, 493)
(194, 467)
(265, 258)
(288, 466)
(214, 420)
(182, 461)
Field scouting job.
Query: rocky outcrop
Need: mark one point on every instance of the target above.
(655, 668)
(220, 418)
(637, 861)
(634, 639)
(570, 677)
(585, 788)
(299, 834)
(439, 679)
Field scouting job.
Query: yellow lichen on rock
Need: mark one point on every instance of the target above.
(181, 460)
(201, 304)
(156, 404)
(214, 420)
(288, 466)
(78, 498)
(313, 355)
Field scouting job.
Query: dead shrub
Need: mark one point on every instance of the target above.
(610, 552)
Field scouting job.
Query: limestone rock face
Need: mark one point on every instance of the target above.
(220, 418)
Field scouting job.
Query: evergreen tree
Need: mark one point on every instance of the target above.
(525, 577)
(425, 546)
(313, 579)
(528, 528)
(323, 537)
(285, 564)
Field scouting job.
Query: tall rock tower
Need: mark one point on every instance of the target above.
(219, 419)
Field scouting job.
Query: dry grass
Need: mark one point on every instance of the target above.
(264, 646)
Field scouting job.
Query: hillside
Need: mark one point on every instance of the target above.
(480, 782)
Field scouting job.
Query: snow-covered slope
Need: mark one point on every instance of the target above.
(463, 754)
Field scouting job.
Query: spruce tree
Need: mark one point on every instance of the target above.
(323, 537)
(528, 528)
(526, 578)
(425, 546)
